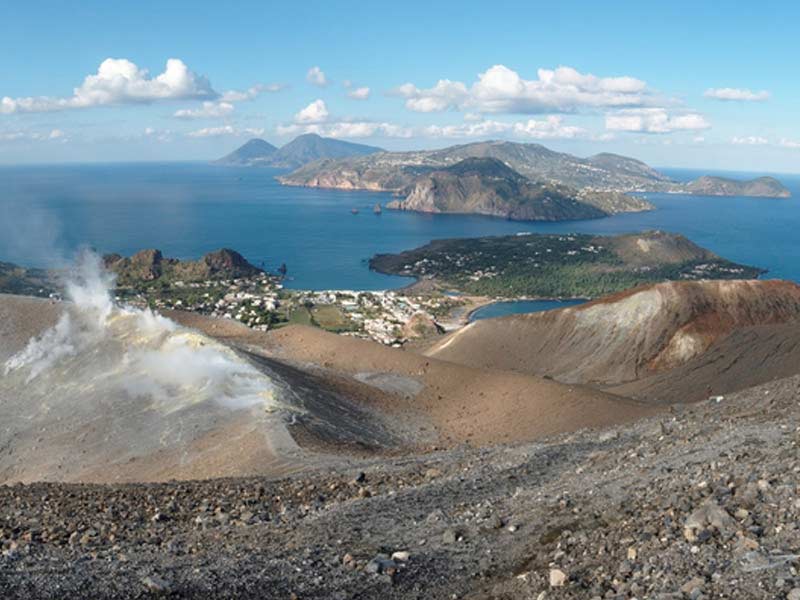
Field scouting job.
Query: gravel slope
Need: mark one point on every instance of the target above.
(701, 503)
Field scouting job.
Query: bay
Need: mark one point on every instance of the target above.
(188, 209)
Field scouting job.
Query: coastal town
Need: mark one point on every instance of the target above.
(263, 303)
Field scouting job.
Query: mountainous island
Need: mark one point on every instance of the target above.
(558, 266)
(566, 186)
(605, 172)
(303, 149)
(488, 186)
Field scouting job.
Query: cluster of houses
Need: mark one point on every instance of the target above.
(262, 303)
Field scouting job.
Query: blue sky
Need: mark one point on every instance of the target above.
(684, 84)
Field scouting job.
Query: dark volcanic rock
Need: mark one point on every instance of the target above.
(229, 263)
(151, 266)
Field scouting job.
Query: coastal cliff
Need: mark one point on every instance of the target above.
(486, 186)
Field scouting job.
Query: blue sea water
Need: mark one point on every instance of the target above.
(515, 307)
(188, 209)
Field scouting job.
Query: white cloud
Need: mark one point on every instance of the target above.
(502, 90)
(361, 93)
(208, 110)
(551, 127)
(348, 129)
(316, 112)
(444, 95)
(786, 143)
(316, 76)
(33, 136)
(750, 140)
(736, 94)
(251, 93)
(654, 120)
(224, 105)
(225, 130)
(162, 135)
(119, 81)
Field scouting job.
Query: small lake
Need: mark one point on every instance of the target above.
(516, 307)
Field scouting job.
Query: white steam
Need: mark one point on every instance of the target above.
(102, 348)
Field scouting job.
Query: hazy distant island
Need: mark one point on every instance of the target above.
(559, 266)
(761, 187)
(300, 151)
(497, 178)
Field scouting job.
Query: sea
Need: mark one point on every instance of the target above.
(326, 237)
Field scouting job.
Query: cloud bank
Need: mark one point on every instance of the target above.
(502, 90)
(119, 81)
(654, 120)
(736, 95)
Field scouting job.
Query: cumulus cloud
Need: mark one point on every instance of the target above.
(750, 140)
(360, 93)
(224, 105)
(654, 120)
(444, 95)
(208, 110)
(119, 81)
(502, 90)
(551, 127)
(316, 76)
(316, 112)
(225, 130)
(736, 94)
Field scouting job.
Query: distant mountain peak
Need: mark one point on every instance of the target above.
(303, 149)
(253, 150)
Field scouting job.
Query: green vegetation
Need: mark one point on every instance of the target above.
(550, 266)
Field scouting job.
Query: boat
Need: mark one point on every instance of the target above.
(354, 211)
(377, 208)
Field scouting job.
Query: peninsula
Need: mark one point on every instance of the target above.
(559, 266)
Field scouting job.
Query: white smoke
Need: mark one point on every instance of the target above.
(100, 345)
